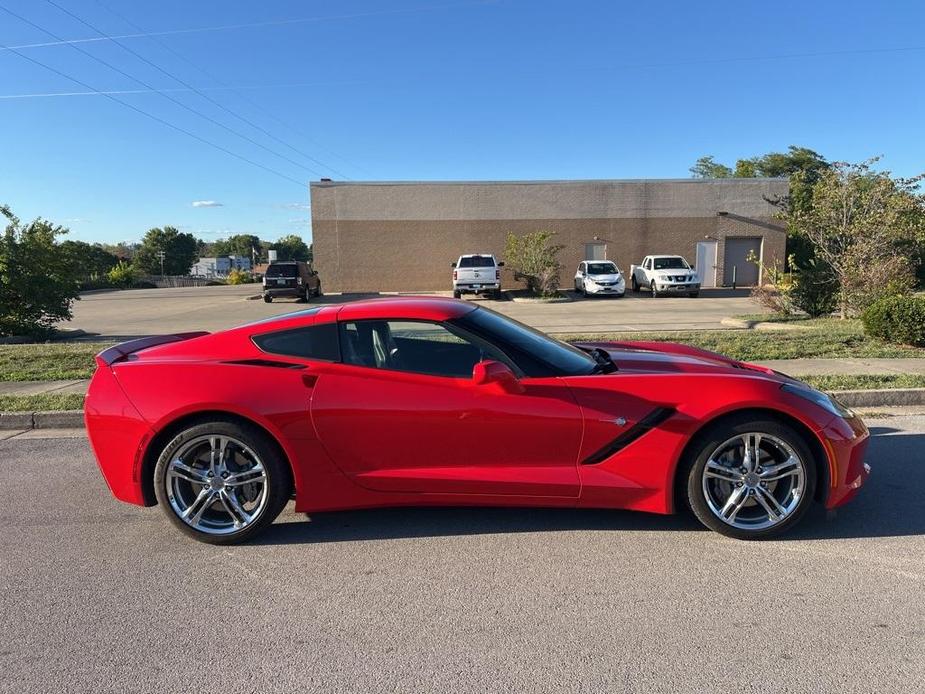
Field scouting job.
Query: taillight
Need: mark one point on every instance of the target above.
(497, 274)
(455, 275)
(299, 280)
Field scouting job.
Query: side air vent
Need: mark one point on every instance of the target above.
(267, 362)
(644, 425)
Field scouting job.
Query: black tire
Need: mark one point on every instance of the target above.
(653, 289)
(318, 290)
(303, 297)
(705, 445)
(278, 478)
(457, 295)
(267, 299)
(694, 295)
(498, 295)
(635, 285)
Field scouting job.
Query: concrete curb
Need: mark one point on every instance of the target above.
(887, 397)
(539, 300)
(760, 324)
(74, 419)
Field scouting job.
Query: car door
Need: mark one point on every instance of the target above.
(401, 413)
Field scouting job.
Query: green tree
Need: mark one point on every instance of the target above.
(706, 167)
(292, 247)
(240, 244)
(179, 252)
(89, 261)
(37, 282)
(859, 221)
(534, 258)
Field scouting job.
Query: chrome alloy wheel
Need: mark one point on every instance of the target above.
(216, 484)
(754, 481)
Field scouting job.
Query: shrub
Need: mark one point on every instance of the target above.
(534, 259)
(37, 283)
(898, 319)
(815, 290)
(775, 293)
(239, 277)
(122, 275)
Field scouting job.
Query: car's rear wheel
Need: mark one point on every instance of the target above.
(751, 479)
(457, 295)
(268, 299)
(635, 286)
(221, 482)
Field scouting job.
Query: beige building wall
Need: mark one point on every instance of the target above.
(372, 237)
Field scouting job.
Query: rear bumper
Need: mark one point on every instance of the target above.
(846, 442)
(477, 288)
(283, 291)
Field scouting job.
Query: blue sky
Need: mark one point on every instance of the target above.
(431, 89)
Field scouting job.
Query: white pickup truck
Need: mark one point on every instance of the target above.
(665, 274)
(477, 273)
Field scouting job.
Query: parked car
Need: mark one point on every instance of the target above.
(290, 278)
(477, 273)
(598, 277)
(429, 401)
(665, 274)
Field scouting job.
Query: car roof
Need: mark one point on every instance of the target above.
(413, 307)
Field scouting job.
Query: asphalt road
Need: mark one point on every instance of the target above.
(138, 312)
(100, 596)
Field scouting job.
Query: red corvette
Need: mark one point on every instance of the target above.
(437, 402)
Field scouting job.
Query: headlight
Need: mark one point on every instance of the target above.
(824, 400)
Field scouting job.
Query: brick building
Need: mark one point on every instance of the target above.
(404, 236)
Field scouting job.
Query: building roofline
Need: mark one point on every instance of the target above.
(331, 183)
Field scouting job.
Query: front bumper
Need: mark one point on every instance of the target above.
(618, 289)
(845, 442)
(680, 287)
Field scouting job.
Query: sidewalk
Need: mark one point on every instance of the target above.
(792, 367)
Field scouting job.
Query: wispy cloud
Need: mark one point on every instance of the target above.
(296, 206)
(207, 203)
(75, 220)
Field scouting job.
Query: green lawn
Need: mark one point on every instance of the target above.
(865, 382)
(822, 338)
(41, 403)
(55, 361)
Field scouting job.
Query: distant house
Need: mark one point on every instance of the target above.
(221, 266)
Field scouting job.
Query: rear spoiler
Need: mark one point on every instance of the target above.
(109, 356)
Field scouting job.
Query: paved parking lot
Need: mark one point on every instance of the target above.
(158, 311)
(100, 596)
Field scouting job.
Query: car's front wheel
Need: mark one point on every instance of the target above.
(635, 286)
(221, 482)
(751, 478)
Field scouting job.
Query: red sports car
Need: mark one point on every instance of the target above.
(428, 401)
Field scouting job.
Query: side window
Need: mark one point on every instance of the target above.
(648, 264)
(415, 346)
(312, 342)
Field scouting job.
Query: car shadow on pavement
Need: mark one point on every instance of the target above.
(421, 522)
(889, 505)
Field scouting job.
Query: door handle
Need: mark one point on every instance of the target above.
(309, 380)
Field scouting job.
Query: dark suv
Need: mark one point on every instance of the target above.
(290, 278)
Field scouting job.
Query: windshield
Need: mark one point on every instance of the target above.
(288, 270)
(477, 261)
(535, 352)
(602, 269)
(671, 263)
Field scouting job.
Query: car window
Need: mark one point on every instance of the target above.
(601, 268)
(477, 261)
(312, 342)
(648, 264)
(422, 347)
(287, 270)
(670, 263)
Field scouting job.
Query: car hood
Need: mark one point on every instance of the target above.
(611, 277)
(671, 357)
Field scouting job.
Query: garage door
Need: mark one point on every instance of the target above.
(736, 264)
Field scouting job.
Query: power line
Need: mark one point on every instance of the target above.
(172, 90)
(166, 96)
(208, 74)
(251, 25)
(117, 100)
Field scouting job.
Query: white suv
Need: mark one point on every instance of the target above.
(599, 277)
(477, 273)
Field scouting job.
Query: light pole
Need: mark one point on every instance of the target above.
(161, 255)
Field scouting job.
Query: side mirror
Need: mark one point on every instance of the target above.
(501, 264)
(452, 264)
(491, 372)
